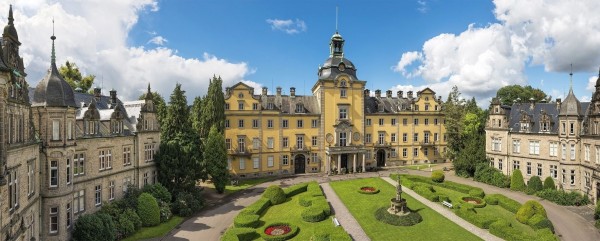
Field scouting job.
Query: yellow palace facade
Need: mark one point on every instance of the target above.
(340, 128)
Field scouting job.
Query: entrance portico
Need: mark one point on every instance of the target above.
(349, 157)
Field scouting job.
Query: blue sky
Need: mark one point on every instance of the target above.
(478, 45)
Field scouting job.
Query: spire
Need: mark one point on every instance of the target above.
(53, 57)
(149, 95)
(336, 19)
(571, 78)
(10, 16)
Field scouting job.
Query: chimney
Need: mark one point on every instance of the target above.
(410, 94)
(97, 92)
(113, 96)
(531, 103)
(439, 98)
(227, 90)
(367, 93)
(278, 90)
(293, 91)
(378, 93)
(264, 91)
(399, 94)
(388, 94)
(558, 102)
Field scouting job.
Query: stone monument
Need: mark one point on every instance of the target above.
(398, 204)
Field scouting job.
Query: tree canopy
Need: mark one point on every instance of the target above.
(215, 156)
(213, 108)
(71, 73)
(520, 94)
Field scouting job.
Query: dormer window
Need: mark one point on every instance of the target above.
(343, 93)
(299, 108)
(524, 126)
(91, 127)
(270, 106)
(241, 95)
(545, 126)
(380, 107)
(117, 126)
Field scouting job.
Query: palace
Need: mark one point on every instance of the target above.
(340, 128)
(63, 153)
(560, 140)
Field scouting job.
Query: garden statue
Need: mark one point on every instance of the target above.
(398, 204)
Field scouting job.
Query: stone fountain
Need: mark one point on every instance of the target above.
(398, 204)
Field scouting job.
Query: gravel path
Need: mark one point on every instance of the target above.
(482, 233)
(343, 215)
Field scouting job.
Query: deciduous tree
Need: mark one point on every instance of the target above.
(70, 72)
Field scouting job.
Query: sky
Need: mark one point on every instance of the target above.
(479, 46)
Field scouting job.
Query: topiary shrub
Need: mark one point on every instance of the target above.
(408, 220)
(427, 192)
(94, 227)
(314, 189)
(240, 234)
(538, 221)
(490, 199)
(305, 200)
(467, 212)
(321, 203)
(443, 197)
(561, 197)
(296, 189)
(159, 192)
(148, 210)
(504, 230)
(259, 206)
(275, 194)
(549, 183)
(313, 214)
(529, 209)
(516, 181)
(437, 176)
(246, 220)
(477, 193)
(534, 185)
(293, 230)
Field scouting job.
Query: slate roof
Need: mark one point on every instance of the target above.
(287, 104)
(515, 111)
(53, 91)
(390, 104)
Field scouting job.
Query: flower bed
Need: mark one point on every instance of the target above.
(409, 220)
(477, 202)
(368, 190)
(279, 231)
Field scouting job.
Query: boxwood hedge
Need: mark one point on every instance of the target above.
(275, 194)
(295, 189)
(408, 220)
(313, 214)
(240, 234)
(503, 229)
(467, 213)
(427, 192)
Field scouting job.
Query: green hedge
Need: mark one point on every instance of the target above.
(477, 193)
(540, 222)
(549, 183)
(275, 194)
(246, 220)
(305, 200)
(516, 181)
(563, 198)
(295, 189)
(322, 204)
(408, 220)
(492, 176)
(491, 199)
(148, 210)
(364, 192)
(330, 237)
(240, 234)
(466, 212)
(313, 214)
(286, 236)
(258, 207)
(444, 197)
(426, 191)
(437, 176)
(314, 189)
(410, 181)
(503, 229)
(529, 209)
(534, 185)
(504, 202)
(481, 203)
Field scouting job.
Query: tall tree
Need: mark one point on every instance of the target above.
(160, 104)
(453, 113)
(196, 114)
(520, 94)
(70, 72)
(179, 161)
(215, 156)
(213, 108)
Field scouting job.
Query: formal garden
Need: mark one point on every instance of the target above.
(370, 210)
(504, 217)
(299, 212)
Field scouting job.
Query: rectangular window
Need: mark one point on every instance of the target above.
(226, 106)
(242, 163)
(98, 197)
(534, 147)
(516, 146)
(241, 123)
(270, 142)
(343, 138)
(516, 165)
(368, 122)
(597, 154)
(393, 136)
(436, 137)
(69, 217)
(587, 153)
(255, 162)
(111, 190)
(572, 152)
(381, 138)
(228, 144)
(145, 178)
(426, 137)
(425, 151)
(241, 145)
(416, 121)
(300, 142)
(53, 173)
(13, 189)
(571, 128)
(300, 124)
(54, 220)
(405, 121)
(500, 164)
(55, 130)
(148, 152)
(269, 123)
(415, 152)
(539, 169)
(229, 164)
(564, 151)
(255, 123)
(367, 138)
(404, 152)
(241, 105)
(404, 137)
(70, 130)
(68, 171)
(416, 137)
(314, 157)
(381, 121)
(255, 143)
(572, 177)
(528, 168)
(343, 93)
(285, 160)
(496, 144)
(426, 121)
(393, 152)
(553, 171)
(343, 113)
(254, 106)
(393, 121)
(314, 123)
(285, 142)
(435, 121)
(102, 158)
(284, 123)
(564, 174)
(109, 157)
(553, 149)
(314, 141)
(270, 161)
(126, 156)
(226, 123)
(30, 178)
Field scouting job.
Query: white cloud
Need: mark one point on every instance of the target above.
(585, 98)
(99, 46)
(407, 59)
(591, 83)
(288, 26)
(158, 40)
(480, 60)
(422, 6)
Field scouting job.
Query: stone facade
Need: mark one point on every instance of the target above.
(63, 153)
(559, 139)
(340, 127)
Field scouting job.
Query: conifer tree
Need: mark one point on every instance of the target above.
(213, 108)
(196, 114)
(215, 156)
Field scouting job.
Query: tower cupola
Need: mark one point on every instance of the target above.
(336, 46)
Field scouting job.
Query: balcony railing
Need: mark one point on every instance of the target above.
(240, 152)
(303, 148)
(385, 143)
(427, 143)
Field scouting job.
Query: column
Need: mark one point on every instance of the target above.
(328, 164)
(339, 163)
(364, 169)
(354, 163)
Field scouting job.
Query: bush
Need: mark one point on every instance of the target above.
(408, 220)
(159, 192)
(313, 214)
(492, 176)
(478, 192)
(504, 202)
(563, 198)
(314, 189)
(322, 204)
(330, 237)
(246, 220)
(165, 211)
(134, 218)
(427, 192)
(187, 203)
(529, 209)
(516, 181)
(411, 181)
(480, 202)
(538, 221)
(549, 183)
(467, 212)
(275, 194)
(295, 189)
(259, 206)
(534, 185)
(503, 229)
(597, 225)
(240, 234)
(131, 196)
(443, 197)
(294, 230)
(437, 176)
(597, 211)
(124, 226)
(305, 200)
(490, 199)
(94, 227)
(148, 210)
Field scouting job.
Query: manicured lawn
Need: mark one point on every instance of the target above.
(157, 231)
(244, 184)
(290, 212)
(363, 207)
(420, 167)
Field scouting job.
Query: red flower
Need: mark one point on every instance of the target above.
(277, 230)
